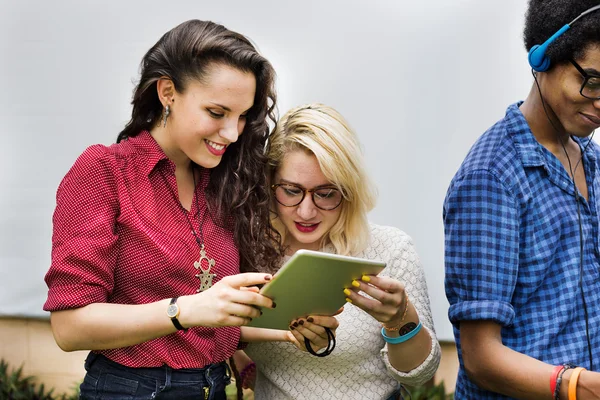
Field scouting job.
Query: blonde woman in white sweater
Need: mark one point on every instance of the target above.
(321, 197)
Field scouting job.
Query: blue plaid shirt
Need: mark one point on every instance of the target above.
(513, 249)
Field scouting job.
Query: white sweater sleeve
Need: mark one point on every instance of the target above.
(406, 267)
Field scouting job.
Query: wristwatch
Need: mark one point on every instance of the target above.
(173, 313)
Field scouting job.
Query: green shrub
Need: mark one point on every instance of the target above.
(430, 392)
(15, 386)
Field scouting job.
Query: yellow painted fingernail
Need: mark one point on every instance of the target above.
(355, 284)
(365, 278)
(347, 292)
(348, 300)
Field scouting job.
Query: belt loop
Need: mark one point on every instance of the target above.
(89, 360)
(169, 374)
(227, 373)
(209, 392)
(161, 388)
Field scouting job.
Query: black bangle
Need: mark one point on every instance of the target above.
(328, 349)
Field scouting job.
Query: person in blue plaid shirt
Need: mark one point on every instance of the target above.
(521, 220)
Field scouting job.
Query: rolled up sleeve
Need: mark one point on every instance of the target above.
(481, 248)
(84, 238)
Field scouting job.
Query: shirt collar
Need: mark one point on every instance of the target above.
(589, 156)
(152, 154)
(150, 150)
(529, 149)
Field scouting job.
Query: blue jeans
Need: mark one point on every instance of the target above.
(108, 380)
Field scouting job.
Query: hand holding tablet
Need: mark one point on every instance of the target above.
(311, 283)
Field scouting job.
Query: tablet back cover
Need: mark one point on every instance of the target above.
(311, 283)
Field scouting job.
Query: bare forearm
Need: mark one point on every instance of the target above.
(508, 372)
(497, 368)
(500, 369)
(108, 326)
(101, 326)
(588, 385)
(250, 334)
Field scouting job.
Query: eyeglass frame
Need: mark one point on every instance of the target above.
(304, 191)
(586, 77)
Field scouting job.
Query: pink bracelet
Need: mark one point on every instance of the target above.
(554, 376)
(247, 371)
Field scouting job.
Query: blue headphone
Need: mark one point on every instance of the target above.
(537, 55)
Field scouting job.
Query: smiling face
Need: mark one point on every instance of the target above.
(578, 115)
(206, 117)
(306, 224)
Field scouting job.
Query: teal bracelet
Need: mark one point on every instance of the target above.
(403, 338)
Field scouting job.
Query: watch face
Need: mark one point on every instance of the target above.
(172, 310)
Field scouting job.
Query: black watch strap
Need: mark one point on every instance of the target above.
(177, 324)
(174, 317)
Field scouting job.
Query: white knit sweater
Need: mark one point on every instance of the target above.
(359, 367)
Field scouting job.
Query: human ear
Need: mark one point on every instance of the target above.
(166, 90)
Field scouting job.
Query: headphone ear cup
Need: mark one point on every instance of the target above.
(537, 55)
(537, 58)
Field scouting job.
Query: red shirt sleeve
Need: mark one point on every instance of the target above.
(84, 239)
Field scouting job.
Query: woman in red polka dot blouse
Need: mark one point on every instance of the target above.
(151, 233)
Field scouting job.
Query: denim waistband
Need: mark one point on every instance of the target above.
(106, 379)
(159, 372)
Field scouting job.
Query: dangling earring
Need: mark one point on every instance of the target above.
(167, 112)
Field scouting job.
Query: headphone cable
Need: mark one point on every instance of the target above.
(576, 196)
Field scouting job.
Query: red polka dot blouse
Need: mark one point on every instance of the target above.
(121, 236)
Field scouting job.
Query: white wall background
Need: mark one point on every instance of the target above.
(419, 82)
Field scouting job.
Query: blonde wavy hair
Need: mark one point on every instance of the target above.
(322, 131)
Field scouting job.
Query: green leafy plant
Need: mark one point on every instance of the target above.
(431, 392)
(73, 395)
(14, 385)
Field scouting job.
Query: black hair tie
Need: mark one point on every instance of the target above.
(328, 349)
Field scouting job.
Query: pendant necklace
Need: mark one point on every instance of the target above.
(206, 278)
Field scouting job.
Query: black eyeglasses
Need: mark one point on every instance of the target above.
(290, 195)
(590, 88)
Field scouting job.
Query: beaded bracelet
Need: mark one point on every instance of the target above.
(559, 380)
(395, 328)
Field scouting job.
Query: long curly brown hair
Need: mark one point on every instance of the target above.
(237, 193)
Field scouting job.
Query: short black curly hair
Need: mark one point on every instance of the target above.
(545, 17)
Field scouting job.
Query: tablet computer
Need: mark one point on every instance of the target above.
(310, 283)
